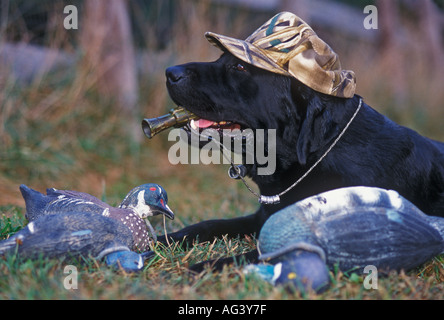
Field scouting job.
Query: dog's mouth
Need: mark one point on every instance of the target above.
(223, 131)
(203, 124)
(205, 128)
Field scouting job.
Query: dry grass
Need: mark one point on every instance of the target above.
(59, 132)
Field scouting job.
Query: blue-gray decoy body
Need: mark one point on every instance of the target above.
(73, 223)
(349, 228)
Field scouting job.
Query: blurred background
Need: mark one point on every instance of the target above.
(71, 100)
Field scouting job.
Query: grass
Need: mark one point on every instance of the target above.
(60, 132)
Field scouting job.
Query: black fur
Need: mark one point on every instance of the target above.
(374, 151)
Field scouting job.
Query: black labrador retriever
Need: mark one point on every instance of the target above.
(374, 151)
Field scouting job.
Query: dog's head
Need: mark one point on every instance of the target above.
(230, 94)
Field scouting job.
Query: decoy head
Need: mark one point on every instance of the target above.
(129, 261)
(301, 270)
(148, 200)
(288, 242)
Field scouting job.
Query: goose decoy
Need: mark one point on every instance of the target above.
(349, 228)
(140, 203)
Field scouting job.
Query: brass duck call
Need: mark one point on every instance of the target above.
(177, 118)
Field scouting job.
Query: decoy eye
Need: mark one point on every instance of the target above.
(240, 67)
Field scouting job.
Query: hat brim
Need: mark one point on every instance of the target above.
(245, 51)
(306, 58)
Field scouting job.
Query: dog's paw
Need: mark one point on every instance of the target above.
(218, 264)
(215, 265)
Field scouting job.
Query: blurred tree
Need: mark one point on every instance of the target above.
(431, 21)
(390, 47)
(398, 44)
(106, 39)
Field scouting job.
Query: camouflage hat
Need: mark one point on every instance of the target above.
(287, 45)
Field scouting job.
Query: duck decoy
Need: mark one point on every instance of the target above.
(75, 233)
(64, 222)
(349, 228)
(140, 203)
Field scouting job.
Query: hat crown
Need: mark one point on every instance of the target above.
(287, 45)
(284, 28)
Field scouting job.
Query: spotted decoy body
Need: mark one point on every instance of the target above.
(73, 223)
(349, 228)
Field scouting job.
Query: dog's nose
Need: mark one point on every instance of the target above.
(174, 74)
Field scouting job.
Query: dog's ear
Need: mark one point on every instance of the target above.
(316, 130)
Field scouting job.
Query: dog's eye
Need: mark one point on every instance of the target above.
(240, 67)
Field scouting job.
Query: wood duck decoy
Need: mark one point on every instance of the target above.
(350, 228)
(141, 202)
(70, 222)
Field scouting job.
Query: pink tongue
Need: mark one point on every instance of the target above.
(202, 123)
